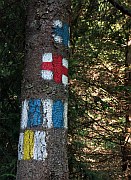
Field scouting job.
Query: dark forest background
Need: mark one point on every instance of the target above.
(98, 94)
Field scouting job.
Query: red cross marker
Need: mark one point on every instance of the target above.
(57, 66)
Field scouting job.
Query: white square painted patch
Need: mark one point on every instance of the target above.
(47, 57)
(58, 39)
(57, 23)
(46, 74)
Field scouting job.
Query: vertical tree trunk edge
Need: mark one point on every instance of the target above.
(42, 148)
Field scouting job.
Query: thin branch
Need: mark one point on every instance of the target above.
(124, 10)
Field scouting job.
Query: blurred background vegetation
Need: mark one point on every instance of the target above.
(97, 91)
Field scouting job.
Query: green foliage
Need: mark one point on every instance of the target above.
(97, 101)
(97, 89)
(11, 65)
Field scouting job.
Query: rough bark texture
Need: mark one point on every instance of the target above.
(127, 145)
(41, 15)
(55, 167)
(39, 40)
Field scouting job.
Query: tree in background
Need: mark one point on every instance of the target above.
(98, 92)
(43, 132)
(126, 147)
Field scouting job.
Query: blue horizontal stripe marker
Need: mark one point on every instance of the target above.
(57, 114)
(34, 113)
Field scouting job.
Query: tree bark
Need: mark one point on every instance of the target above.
(127, 144)
(42, 149)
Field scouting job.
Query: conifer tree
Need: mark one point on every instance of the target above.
(42, 152)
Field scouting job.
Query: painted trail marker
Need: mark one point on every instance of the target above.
(32, 145)
(39, 145)
(54, 67)
(57, 114)
(61, 32)
(20, 146)
(34, 113)
(28, 145)
(43, 112)
(46, 113)
(31, 113)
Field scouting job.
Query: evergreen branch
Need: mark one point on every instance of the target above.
(124, 10)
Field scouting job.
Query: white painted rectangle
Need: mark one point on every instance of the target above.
(40, 145)
(64, 79)
(46, 74)
(24, 114)
(47, 57)
(65, 115)
(65, 62)
(47, 113)
(20, 146)
(57, 23)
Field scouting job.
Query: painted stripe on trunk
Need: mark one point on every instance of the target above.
(34, 113)
(28, 144)
(65, 115)
(20, 146)
(24, 114)
(47, 113)
(57, 114)
(39, 146)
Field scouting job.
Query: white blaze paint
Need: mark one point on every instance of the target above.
(65, 62)
(20, 146)
(39, 146)
(47, 57)
(24, 115)
(64, 79)
(57, 39)
(46, 74)
(65, 115)
(57, 23)
(47, 113)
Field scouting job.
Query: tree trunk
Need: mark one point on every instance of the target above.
(42, 151)
(127, 143)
